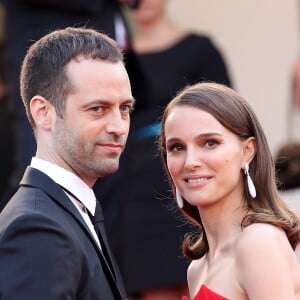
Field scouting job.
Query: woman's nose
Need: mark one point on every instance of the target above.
(192, 159)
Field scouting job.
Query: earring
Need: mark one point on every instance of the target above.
(251, 187)
(179, 199)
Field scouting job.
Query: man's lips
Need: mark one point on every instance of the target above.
(112, 147)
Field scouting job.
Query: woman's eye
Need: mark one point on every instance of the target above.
(175, 148)
(211, 143)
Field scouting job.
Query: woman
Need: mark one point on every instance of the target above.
(221, 170)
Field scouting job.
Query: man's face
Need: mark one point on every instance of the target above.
(92, 134)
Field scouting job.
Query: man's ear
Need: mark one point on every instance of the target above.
(249, 150)
(42, 112)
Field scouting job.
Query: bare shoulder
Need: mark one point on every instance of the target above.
(194, 267)
(261, 236)
(264, 256)
(260, 240)
(195, 275)
(262, 227)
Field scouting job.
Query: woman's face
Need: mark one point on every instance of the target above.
(148, 11)
(203, 157)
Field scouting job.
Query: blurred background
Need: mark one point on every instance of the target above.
(260, 40)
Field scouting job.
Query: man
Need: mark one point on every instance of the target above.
(27, 21)
(78, 99)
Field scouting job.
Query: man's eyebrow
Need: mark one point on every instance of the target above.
(131, 100)
(108, 103)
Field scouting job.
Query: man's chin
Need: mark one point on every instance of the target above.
(108, 169)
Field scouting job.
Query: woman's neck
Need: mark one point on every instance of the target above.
(222, 225)
(156, 36)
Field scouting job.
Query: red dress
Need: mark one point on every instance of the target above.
(206, 294)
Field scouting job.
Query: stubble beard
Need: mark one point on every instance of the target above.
(106, 167)
(79, 154)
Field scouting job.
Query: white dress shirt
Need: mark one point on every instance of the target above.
(75, 185)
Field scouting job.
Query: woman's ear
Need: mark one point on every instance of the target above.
(42, 112)
(249, 150)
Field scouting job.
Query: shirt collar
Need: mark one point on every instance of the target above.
(67, 180)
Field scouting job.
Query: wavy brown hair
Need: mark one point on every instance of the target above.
(235, 114)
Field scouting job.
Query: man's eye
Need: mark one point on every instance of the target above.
(96, 108)
(126, 108)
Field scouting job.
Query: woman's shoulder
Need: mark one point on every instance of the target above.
(261, 246)
(255, 228)
(261, 230)
(197, 39)
(195, 43)
(191, 40)
(260, 236)
(195, 265)
(194, 274)
(263, 255)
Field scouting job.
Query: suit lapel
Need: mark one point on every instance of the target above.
(35, 178)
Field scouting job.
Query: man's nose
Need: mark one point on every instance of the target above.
(117, 124)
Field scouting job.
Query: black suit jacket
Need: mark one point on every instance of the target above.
(46, 249)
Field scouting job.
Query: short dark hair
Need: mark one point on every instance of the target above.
(43, 70)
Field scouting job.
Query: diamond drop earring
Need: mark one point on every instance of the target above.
(179, 199)
(251, 187)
